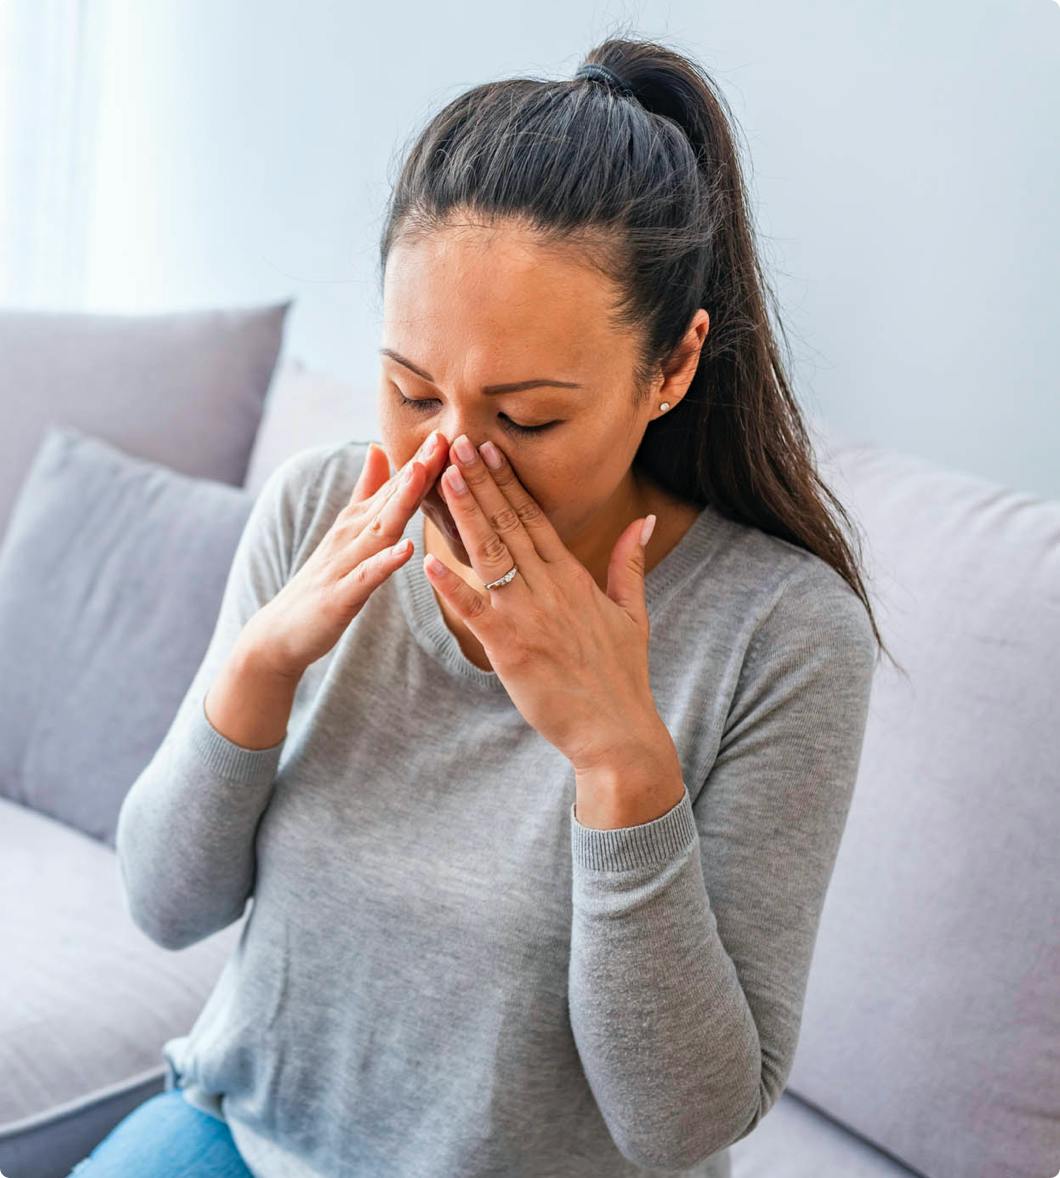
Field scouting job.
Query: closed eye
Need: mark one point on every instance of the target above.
(422, 406)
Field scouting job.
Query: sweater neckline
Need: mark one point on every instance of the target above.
(427, 623)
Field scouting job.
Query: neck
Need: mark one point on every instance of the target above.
(593, 547)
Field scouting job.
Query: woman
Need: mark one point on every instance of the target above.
(538, 824)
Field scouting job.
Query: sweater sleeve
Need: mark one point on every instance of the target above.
(186, 828)
(692, 935)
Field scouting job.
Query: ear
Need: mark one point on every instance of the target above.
(684, 362)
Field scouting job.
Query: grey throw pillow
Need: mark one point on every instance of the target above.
(111, 577)
(185, 389)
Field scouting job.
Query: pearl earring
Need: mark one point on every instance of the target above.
(664, 406)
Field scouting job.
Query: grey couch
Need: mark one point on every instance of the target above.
(930, 1041)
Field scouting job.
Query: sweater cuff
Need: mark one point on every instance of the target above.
(626, 847)
(229, 760)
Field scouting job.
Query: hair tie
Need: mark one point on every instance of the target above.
(601, 73)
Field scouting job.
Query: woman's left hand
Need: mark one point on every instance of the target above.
(574, 660)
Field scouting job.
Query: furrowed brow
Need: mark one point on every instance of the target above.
(488, 390)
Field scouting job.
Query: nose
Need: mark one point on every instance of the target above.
(454, 420)
(460, 429)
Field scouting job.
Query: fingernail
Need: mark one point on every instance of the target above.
(646, 530)
(490, 455)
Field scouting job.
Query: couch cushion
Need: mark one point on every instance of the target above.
(794, 1140)
(111, 576)
(184, 389)
(305, 409)
(88, 999)
(931, 1024)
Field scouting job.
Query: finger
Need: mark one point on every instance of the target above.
(490, 528)
(407, 489)
(384, 531)
(430, 456)
(390, 519)
(374, 473)
(487, 546)
(392, 504)
(547, 543)
(473, 607)
(368, 574)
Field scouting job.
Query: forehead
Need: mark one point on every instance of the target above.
(495, 294)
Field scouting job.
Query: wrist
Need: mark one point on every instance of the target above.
(257, 655)
(636, 745)
(637, 784)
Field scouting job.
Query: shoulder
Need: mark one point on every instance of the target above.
(814, 629)
(782, 598)
(802, 655)
(303, 470)
(304, 485)
(303, 474)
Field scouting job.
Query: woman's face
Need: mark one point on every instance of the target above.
(474, 308)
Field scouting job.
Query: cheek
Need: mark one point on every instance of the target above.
(399, 424)
(562, 495)
(557, 477)
(537, 475)
(399, 441)
(573, 486)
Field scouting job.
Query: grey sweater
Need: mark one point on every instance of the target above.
(442, 973)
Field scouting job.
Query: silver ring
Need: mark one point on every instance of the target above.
(508, 576)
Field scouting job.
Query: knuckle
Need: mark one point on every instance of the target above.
(381, 528)
(477, 607)
(576, 583)
(530, 512)
(474, 476)
(495, 550)
(505, 520)
(517, 654)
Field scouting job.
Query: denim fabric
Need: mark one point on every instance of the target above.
(165, 1137)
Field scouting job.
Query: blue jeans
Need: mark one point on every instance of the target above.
(165, 1137)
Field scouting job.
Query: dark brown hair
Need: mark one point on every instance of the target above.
(648, 189)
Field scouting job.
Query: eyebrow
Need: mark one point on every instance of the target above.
(489, 390)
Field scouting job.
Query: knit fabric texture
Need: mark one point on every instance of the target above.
(442, 972)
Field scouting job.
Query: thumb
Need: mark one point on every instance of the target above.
(625, 574)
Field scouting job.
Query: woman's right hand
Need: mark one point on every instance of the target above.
(356, 555)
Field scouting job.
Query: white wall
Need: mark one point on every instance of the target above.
(904, 171)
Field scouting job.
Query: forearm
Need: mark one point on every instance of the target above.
(186, 830)
(249, 704)
(693, 934)
(662, 1026)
